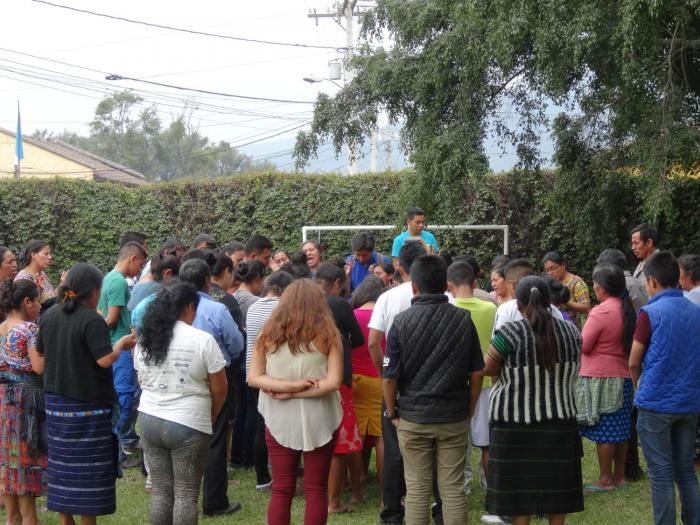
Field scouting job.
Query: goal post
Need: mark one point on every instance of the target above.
(384, 227)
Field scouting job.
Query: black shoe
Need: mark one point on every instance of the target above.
(131, 460)
(234, 506)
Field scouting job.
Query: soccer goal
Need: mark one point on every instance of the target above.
(384, 227)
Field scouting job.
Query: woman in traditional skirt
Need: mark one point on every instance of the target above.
(604, 389)
(75, 342)
(535, 453)
(22, 418)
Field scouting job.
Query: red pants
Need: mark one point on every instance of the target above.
(285, 462)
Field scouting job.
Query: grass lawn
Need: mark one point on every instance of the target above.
(631, 505)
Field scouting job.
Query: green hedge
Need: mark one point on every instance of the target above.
(83, 220)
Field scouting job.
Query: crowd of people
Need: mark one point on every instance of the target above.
(200, 360)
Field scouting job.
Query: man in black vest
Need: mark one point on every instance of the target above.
(433, 361)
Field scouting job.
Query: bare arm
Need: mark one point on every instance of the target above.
(476, 382)
(36, 360)
(374, 343)
(125, 343)
(492, 363)
(582, 308)
(635, 361)
(218, 388)
(113, 314)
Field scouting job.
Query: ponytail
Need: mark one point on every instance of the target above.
(532, 294)
(611, 278)
(81, 280)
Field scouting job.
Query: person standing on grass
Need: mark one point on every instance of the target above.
(184, 387)
(114, 300)
(535, 449)
(331, 279)
(415, 231)
(664, 366)
(215, 319)
(604, 389)
(387, 307)
(366, 382)
(298, 367)
(638, 295)
(23, 459)
(79, 395)
(461, 283)
(433, 362)
(258, 314)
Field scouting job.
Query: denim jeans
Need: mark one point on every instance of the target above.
(125, 427)
(176, 458)
(667, 442)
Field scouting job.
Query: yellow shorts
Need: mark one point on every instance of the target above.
(367, 397)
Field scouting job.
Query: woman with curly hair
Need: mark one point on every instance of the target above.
(298, 367)
(35, 259)
(183, 383)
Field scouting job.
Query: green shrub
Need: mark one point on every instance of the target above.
(83, 220)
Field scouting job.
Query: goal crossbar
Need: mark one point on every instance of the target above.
(385, 227)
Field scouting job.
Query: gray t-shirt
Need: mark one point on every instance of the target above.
(245, 300)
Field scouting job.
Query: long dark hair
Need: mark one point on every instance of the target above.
(368, 291)
(160, 317)
(611, 278)
(532, 294)
(81, 280)
(25, 256)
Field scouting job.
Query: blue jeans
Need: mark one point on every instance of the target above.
(125, 424)
(667, 442)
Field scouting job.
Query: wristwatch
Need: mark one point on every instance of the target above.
(395, 415)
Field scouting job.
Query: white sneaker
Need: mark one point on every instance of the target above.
(492, 518)
(264, 486)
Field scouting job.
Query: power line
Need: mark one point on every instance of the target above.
(151, 96)
(110, 76)
(191, 31)
(194, 90)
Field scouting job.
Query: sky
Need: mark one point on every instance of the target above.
(57, 96)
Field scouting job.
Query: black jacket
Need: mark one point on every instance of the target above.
(435, 347)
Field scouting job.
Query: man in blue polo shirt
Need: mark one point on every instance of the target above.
(415, 223)
(364, 258)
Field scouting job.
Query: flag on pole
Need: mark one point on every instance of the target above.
(19, 149)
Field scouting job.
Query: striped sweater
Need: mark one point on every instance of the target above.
(527, 392)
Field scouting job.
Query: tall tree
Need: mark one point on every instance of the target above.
(453, 71)
(134, 136)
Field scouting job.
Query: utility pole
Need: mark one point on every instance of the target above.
(348, 10)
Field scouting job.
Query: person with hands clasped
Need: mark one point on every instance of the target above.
(79, 396)
(298, 366)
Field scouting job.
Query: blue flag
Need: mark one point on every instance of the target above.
(19, 149)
